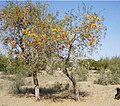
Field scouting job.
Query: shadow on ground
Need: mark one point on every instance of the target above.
(50, 93)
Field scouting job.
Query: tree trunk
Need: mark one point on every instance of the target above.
(37, 93)
(75, 88)
(72, 79)
(76, 92)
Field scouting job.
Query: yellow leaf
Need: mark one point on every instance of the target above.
(58, 30)
(58, 36)
(40, 43)
(93, 25)
(24, 31)
(54, 30)
(95, 17)
(31, 34)
(43, 36)
(75, 29)
(63, 33)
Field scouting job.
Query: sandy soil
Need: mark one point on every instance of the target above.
(98, 95)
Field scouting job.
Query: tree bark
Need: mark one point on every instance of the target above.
(75, 88)
(37, 93)
(70, 76)
(76, 92)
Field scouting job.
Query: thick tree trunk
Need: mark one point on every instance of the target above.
(75, 88)
(37, 93)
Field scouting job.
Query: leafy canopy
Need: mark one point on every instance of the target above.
(31, 26)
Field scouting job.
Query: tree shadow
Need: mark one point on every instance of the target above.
(51, 93)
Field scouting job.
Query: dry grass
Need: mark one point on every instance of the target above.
(91, 94)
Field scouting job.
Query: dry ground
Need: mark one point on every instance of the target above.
(98, 95)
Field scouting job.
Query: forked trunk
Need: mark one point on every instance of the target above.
(37, 93)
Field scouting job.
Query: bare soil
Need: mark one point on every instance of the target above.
(91, 94)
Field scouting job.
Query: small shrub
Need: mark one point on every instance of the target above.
(104, 63)
(106, 78)
(67, 86)
(58, 86)
(114, 79)
(111, 77)
(17, 83)
(3, 63)
(103, 79)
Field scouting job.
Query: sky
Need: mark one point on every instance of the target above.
(111, 43)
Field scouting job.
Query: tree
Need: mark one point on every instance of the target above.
(23, 32)
(75, 33)
(32, 32)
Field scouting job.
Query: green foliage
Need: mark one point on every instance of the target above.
(93, 64)
(53, 66)
(103, 79)
(17, 66)
(3, 63)
(56, 64)
(107, 77)
(90, 64)
(83, 63)
(41, 64)
(109, 72)
(82, 74)
(108, 69)
(104, 63)
(14, 66)
(112, 64)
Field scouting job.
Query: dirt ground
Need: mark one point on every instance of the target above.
(98, 95)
